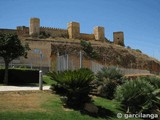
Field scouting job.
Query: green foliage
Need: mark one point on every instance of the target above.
(44, 35)
(107, 81)
(47, 80)
(128, 47)
(112, 73)
(87, 47)
(11, 48)
(75, 85)
(155, 81)
(138, 50)
(138, 96)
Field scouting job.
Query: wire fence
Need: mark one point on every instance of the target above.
(68, 62)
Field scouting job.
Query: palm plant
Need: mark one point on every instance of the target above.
(108, 78)
(75, 85)
(137, 96)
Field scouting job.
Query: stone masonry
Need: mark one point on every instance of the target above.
(34, 28)
(118, 38)
(72, 32)
(40, 54)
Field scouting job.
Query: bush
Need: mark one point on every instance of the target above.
(111, 73)
(75, 85)
(137, 96)
(20, 76)
(108, 79)
(87, 47)
(155, 81)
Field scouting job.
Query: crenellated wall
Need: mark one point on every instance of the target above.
(72, 32)
(22, 31)
(8, 31)
(54, 32)
(87, 36)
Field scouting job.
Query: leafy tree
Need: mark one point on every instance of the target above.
(10, 49)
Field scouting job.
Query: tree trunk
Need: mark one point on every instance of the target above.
(6, 73)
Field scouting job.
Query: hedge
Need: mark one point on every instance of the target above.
(20, 76)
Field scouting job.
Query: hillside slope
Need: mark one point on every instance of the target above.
(110, 54)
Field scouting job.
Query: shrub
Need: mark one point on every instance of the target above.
(137, 96)
(155, 81)
(110, 73)
(75, 85)
(87, 47)
(108, 79)
(21, 76)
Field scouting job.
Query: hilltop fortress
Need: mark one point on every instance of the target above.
(41, 40)
(72, 32)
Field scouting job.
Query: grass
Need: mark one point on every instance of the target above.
(43, 105)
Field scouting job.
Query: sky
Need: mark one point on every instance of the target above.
(138, 19)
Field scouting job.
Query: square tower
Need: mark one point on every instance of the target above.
(34, 28)
(99, 33)
(74, 30)
(118, 38)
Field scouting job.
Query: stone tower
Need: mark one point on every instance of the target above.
(118, 38)
(99, 33)
(74, 30)
(34, 28)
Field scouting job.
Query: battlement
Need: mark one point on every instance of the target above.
(51, 28)
(8, 31)
(72, 32)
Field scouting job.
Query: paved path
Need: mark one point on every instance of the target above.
(20, 88)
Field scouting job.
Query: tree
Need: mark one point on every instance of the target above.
(10, 49)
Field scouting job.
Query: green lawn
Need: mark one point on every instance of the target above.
(43, 105)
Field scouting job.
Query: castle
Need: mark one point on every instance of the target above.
(33, 33)
(72, 32)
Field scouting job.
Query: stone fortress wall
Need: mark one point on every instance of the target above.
(54, 32)
(72, 32)
(40, 53)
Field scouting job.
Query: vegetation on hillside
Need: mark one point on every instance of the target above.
(111, 55)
